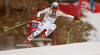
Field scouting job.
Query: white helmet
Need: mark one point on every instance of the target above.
(54, 5)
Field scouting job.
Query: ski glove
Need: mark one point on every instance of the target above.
(75, 18)
(38, 18)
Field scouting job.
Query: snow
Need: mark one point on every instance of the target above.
(40, 44)
(90, 48)
(93, 19)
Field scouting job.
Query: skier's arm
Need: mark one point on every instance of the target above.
(42, 12)
(66, 15)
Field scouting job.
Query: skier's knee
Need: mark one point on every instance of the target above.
(40, 28)
(54, 27)
(37, 32)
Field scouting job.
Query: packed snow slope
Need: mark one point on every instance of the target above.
(94, 20)
(89, 48)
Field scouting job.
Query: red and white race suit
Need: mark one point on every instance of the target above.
(48, 22)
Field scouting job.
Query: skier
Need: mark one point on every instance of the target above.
(51, 14)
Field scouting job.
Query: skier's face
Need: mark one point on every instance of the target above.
(54, 10)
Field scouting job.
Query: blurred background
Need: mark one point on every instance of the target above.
(14, 12)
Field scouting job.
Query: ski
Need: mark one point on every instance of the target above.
(41, 39)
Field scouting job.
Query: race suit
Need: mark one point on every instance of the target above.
(48, 22)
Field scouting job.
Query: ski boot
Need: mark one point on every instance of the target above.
(26, 41)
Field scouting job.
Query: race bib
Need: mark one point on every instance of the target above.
(52, 15)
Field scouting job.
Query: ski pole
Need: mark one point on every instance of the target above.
(70, 31)
(16, 26)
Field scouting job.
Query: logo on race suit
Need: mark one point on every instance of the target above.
(42, 24)
(52, 15)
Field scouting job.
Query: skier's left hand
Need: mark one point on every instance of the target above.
(75, 18)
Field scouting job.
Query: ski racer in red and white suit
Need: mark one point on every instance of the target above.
(51, 14)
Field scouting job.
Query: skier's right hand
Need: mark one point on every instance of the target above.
(38, 18)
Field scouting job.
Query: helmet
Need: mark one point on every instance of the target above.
(54, 5)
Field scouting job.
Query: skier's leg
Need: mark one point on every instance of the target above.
(34, 34)
(49, 30)
(38, 31)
